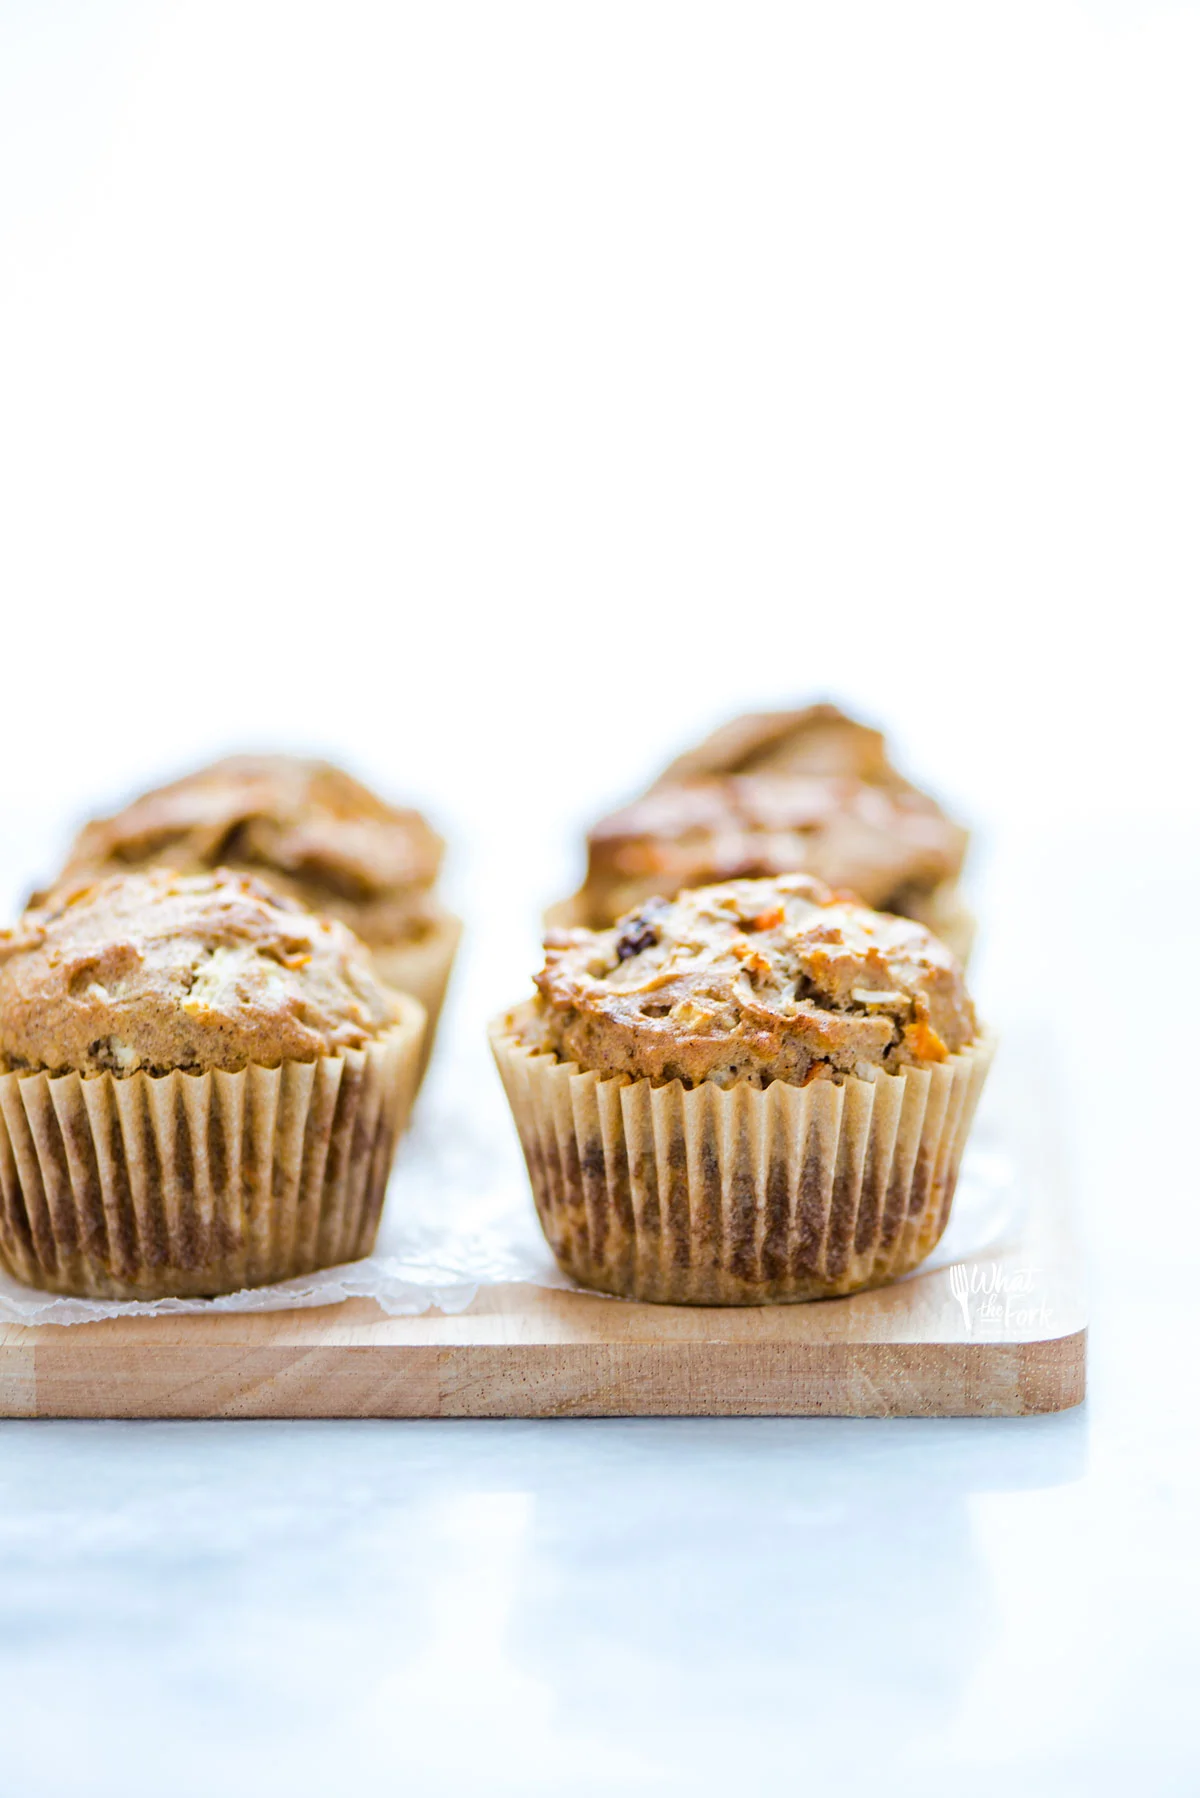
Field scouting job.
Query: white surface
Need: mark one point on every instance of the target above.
(497, 394)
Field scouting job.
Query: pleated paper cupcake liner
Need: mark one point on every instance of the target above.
(566, 914)
(189, 1185)
(423, 970)
(946, 912)
(739, 1196)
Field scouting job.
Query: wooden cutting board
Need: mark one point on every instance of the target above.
(1000, 1336)
(996, 1337)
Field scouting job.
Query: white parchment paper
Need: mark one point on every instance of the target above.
(459, 1216)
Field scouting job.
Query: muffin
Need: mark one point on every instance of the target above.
(313, 832)
(753, 1093)
(201, 1084)
(895, 850)
(808, 791)
(813, 739)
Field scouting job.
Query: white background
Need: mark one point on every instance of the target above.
(497, 394)
(494, 396)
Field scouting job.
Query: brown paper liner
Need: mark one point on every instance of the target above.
(566, 914)
(945, 912)
(188, 1185)
(422, 969)
(948, 915)
(736, 1195)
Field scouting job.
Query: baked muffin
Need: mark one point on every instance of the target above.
(201, 1084)
(894, 849)
(755, 1092)
(809, 791)
(313, 832)
(813, 739)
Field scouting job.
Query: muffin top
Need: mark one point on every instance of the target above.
(158, 971)
(815, 739)
(888, 847)
(311, 830)
(754, 980)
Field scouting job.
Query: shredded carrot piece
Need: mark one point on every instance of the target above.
(924, 1041)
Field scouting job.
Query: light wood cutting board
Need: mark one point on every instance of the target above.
(1012, 1342)
(999, 1336)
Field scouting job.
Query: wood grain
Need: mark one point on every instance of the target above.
(519, 1351)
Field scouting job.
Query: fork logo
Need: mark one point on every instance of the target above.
(961, 1288)
(991, 1294)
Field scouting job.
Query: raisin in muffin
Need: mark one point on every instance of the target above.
(895, 850)
(755, 1092)
(201, 1084)
(312, 831)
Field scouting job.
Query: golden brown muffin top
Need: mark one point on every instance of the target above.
(814, 739)
(312, 830)
(888, 847)
(755, 980)
(159, 971)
